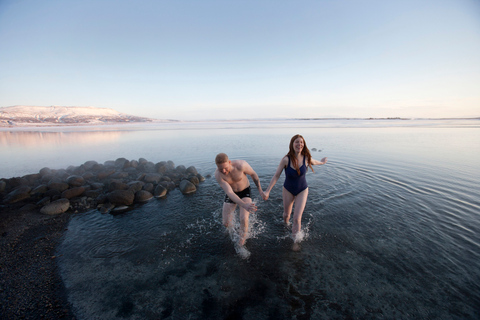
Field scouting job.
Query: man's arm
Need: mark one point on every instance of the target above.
(251, 207)
(247, 169)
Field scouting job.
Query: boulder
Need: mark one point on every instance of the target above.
(194, 180)
(121, 197)
(18, 194)
(41, 189)
(102, 174)
(160, 191)
(45, 172)
(181, 169)
(57, 184)
(192, 170)
(152, 177)
(73, 192)
(187, 187)
(75, 181)
(89, 165)
(149, 187)
(56, 207)
(122, 163)
(143, 196)
(135, 186)
(117, 185)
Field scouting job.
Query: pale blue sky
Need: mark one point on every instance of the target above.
(244, 59)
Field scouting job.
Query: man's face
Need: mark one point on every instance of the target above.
(225, 167)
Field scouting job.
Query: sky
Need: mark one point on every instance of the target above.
(244, 59)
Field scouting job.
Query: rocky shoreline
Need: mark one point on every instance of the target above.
(34, 213)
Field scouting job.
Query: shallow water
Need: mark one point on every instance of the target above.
(391, 226)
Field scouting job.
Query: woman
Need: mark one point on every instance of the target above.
(295, 188)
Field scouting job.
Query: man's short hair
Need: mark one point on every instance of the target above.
(221, 158)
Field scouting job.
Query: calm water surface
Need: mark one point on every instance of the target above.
(392, 226)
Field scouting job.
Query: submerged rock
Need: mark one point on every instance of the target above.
(187, 187)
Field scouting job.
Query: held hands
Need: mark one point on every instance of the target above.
(265, 195)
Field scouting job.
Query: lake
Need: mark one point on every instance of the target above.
(391, 226)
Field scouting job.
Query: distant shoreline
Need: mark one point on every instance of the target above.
(6, 125)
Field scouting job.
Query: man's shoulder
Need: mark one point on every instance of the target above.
(239, 164)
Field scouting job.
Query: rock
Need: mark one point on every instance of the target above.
(57, 184)
(117, 185)
(75, 181)
(97, 185)
(18, 194)
(122, 163)
(160, 191)
(41, 189)
(93, 193)
(187, 187)
(149, 187)
(135, 186)
(119, 175)
(134, 163)
(45, 171)
(194, 180)
(121, 197)
(43, 201)
(181, 169)
(56, 207)
(15, 182)
(170, 165)
(152, 177)
(3, 185)
(109, 163)
(143, 196)
(105, 173)
(106, 207)
(192, 170)
(88, 175)
(73, 192)
(89, 165)
(200, 177)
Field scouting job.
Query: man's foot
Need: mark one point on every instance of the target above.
(242, 252)
(296, 246)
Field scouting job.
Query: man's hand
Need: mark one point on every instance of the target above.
(250, 207)
(265, 195)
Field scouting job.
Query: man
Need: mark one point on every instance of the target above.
(232, 177)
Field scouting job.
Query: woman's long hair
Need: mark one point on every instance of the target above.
(305, 153)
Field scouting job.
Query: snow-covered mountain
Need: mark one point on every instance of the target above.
(28, 115)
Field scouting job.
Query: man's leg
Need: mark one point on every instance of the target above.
(227, 214)
(244, 217)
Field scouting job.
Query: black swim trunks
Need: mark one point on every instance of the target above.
(241, 194)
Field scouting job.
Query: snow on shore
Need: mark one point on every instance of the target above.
(55, 115)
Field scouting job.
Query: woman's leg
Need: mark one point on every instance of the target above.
(300, 202)
(288, 200)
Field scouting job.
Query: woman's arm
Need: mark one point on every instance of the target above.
(276, 176)
(314, 162)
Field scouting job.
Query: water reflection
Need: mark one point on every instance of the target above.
(41, 139)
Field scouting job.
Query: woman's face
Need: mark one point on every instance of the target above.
(298, 144)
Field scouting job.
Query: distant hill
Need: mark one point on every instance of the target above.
(28, 115)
